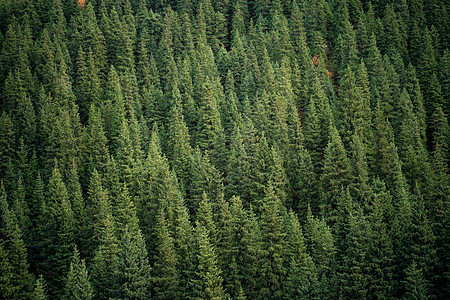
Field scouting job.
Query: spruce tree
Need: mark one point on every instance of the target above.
(16, 277)
(104, 266)
(271, 268)
(208, 280)
(166, 277)
(56, 234)
(415, 285)
(337, 173)
(40, 291)
(77, 282)
(321, 247)
(133, 266)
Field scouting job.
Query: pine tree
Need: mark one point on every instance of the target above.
(16, 277)
(271, 269)
(77, 282)
(166, 277)
(56, 234)
(133, 266)
(336, 174)
(415, 285)
(208, 281)
(40, 292)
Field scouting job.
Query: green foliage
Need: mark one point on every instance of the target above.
(77, 282)
(245, 149)
(56, 234)
(415, 285)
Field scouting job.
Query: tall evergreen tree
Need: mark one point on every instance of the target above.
(208, 281)
(271, 268)
(337, 173)
(166, 277)
(77, 282)
(56, 234)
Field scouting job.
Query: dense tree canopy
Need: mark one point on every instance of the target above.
(235, 149)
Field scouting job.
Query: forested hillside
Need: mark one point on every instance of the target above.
(232, 149)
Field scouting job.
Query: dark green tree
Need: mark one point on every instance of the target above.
(133, 266)
(166, 277)
(208, 283)
(337, 173)
(56, 234)
(40, 291)
(271, 268)
(17, 280)
(77, 282)
(415, 285)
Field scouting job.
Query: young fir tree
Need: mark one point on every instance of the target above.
(56, 234)
(133, 267)
(77, 282)
(165, 274)
(208, 280)
(271, 268)
(337, 173)
(16, 278)
(415, 285)
(40, 291)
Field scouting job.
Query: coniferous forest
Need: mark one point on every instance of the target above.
(233, 149)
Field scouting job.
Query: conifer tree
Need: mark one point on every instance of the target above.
(40, 292)
(317, 122)
(133, 266)
(96, 154)
(166, 277)
(337, 173)
(78, 206)
(77, 282)
(16, 277)
(208, 280)
(240, 251)
(105, 262)
(420, 241)
(415, 93)
(209, 123)
(56, 234)
(415, 285)
(184, 243)
(380, 252)
(271, 268)
(302, 281)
